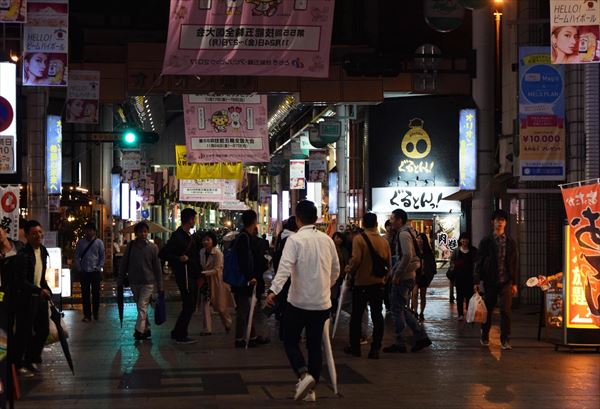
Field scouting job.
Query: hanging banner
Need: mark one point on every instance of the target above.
(265, 194)
(297, 175)
(443, 15)
(542, 148)
(208, 190)
(13, 11)
(9, 210)
(467, 151)
(251, 37)
(582, 275)
(574, 36)
(83, 97)
(186, 170)
(131, 160)
(233, 206)
(54, 154)
(8, 118)
(45, 43)
(226, 128)
(447, 232)
(317, 166)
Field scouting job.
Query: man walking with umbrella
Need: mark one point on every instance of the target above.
(183, 254)
(89, 259)
(310, 259)
(32, 302)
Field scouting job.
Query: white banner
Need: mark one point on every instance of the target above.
(297, 175)
(415, 199)
(7, 154)
(83, 95)
(9, 211)
(208, 190)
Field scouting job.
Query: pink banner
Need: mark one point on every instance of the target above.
(226, 128)
(249, 37)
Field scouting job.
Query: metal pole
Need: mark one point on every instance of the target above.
(341, 162)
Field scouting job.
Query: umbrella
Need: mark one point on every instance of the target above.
(230, 236)
(55, 317)
(251, 315)
(153, 228)
(339, 306)
(120, 301)
(329, 357)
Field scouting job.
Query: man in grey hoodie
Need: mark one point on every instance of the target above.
(403, 282)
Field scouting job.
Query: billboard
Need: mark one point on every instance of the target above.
(54, 154)
(574, 31)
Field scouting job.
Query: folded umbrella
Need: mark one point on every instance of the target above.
(339, 306)
(329, 357)
(55, 317)
(120, 302)
(251, 315)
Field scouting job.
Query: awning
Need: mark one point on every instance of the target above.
(460, 195)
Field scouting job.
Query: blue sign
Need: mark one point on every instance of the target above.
(115, 187)
(54, 154)
(467, 150)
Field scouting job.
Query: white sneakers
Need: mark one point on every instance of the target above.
(311, 396)
(304, 386)
(506, 346)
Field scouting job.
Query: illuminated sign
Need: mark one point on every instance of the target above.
(54, 270)
(467, 149)
(414, 199)
(54, 154)
(125, 201)
(115, 187)
(8, 116)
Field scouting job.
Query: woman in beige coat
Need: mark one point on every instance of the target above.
(217, 293)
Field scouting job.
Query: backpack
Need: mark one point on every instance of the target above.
(380, 266)
(232, 274)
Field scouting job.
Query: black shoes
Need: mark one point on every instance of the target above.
(421, 344)
(373, 354)
(241, 343)
(139, 336)
(186, 341)
(260, 340)
(351, 351)
(395, 349)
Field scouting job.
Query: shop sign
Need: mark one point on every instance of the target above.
(447, 232)
(414, 199)
(296, 149)
(574, 31)
(54, 270)
(541, 116)
(330, 130)
(305, 142)
(131, 160)
(8, 116)
(45, 43)
(317, 166)
(226, 128)
(582, 275)
(208, 190)
(13, 11)
(9, 211)
(115, 187)
(54, 154)
(186, 170)
(83, 96)
(297, 175)
(443, 15)
(259, 38)
(467, 139)
(233, 206)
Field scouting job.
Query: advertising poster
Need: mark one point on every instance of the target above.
(574, 36)
(131, 160)
(13, 11)
(447, 232)
(54, 154)
(265, 194)
(467, 139)
(83, 96)
(317, 166)
(226, 128)
(208, 190)
(297, 175)
(541, 116)
(8, 117)
(582, 275)
(221, 170)
(45, 43)
(54, 270)
(257, 37)
(9, 210)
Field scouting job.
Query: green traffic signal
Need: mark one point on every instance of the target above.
(130, 137)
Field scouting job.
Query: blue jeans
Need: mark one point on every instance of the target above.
(400, 297)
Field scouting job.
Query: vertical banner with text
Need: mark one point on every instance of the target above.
(541, 116)
(574, 31)
(83, 96)
(297, 175)
(46, 43)
(54, 155)
(582, 275)
(9, 211)
(258, 37)
(226, 128)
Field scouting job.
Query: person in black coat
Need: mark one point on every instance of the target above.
(424, 274)
(182, 251)
(31, 301)
(497, 267)
(462, 265)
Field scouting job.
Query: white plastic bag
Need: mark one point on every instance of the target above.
(477, 311)
(53, 331)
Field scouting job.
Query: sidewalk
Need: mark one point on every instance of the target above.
(112, 371)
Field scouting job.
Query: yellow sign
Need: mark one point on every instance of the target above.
(416, 134)
(187, 170)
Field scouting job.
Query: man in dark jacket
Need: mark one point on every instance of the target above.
(253, 264)
(183, 254)
(496, 266)
(32, 301)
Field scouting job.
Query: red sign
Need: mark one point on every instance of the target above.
(9, 202)
(6, 114)
(582, 275)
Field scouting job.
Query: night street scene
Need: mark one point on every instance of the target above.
(345, 204)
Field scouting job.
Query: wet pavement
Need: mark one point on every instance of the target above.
(112, 371)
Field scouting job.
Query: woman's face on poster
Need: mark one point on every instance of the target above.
(37, 65)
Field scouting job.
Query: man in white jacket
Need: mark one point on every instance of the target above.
(311, 260)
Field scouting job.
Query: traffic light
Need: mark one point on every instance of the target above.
(132, 138)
